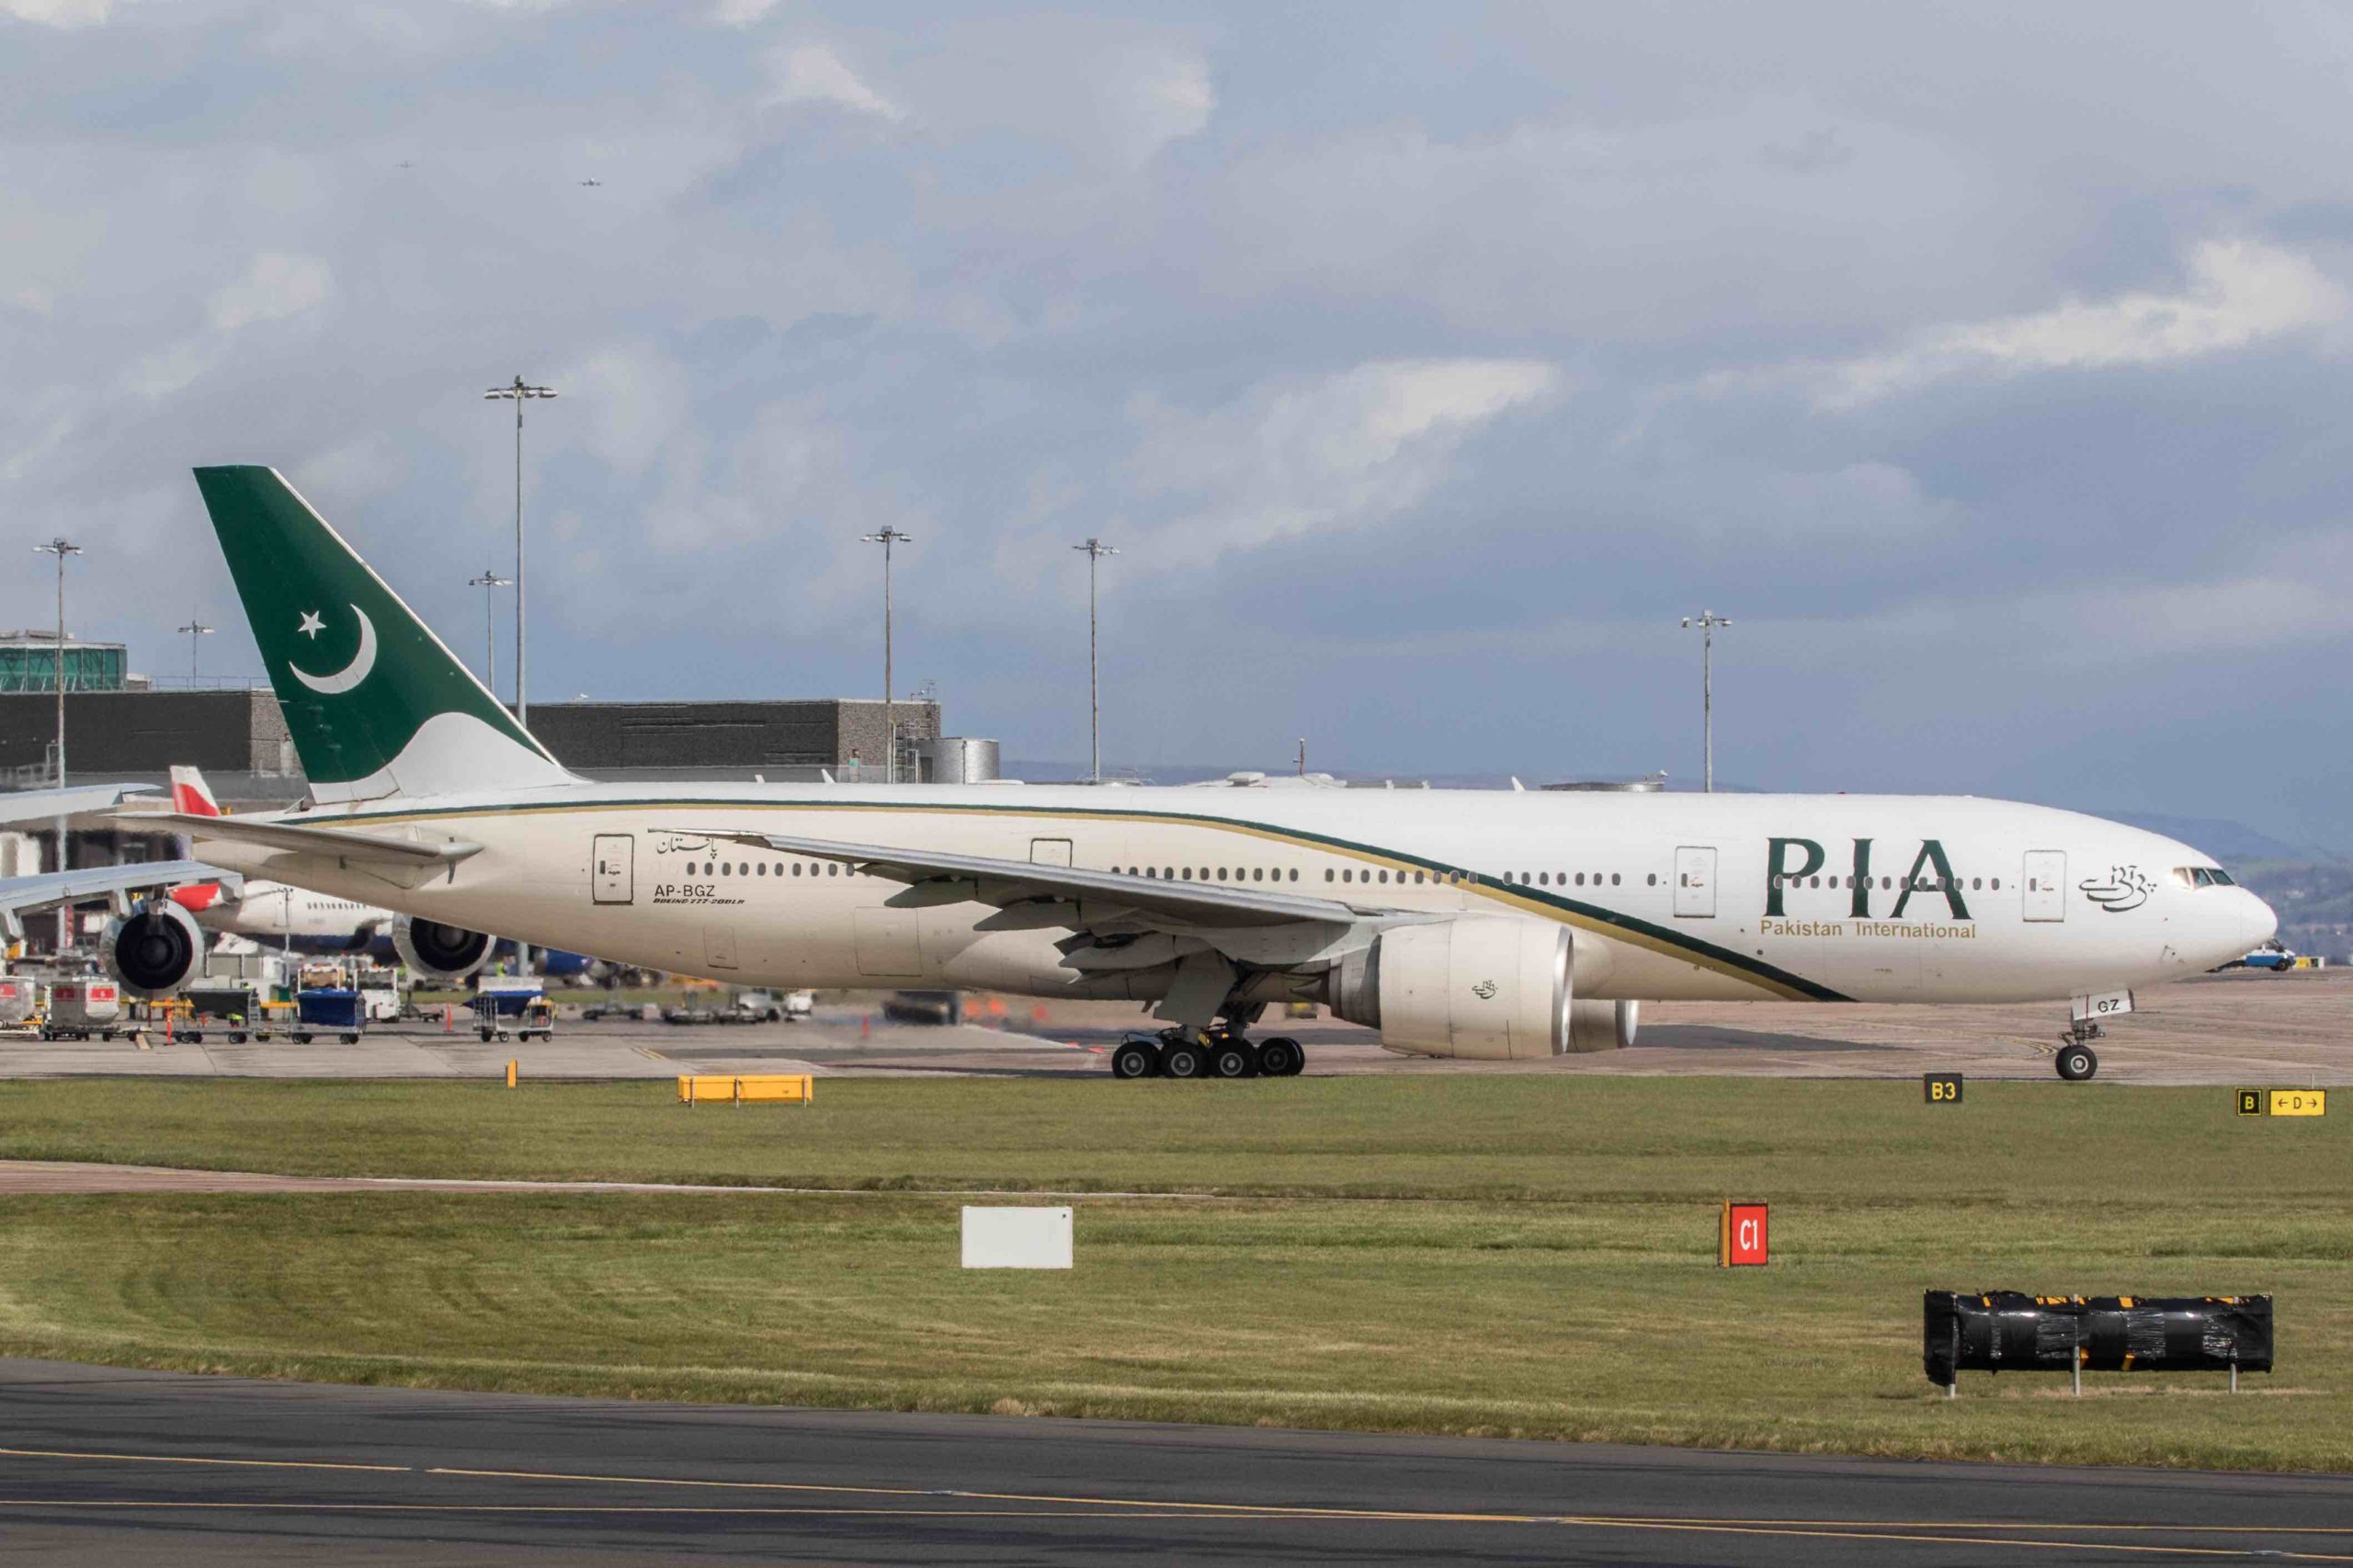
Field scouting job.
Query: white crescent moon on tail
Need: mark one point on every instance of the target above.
(352, 674)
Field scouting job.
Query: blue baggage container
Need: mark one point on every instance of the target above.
(329, 1011)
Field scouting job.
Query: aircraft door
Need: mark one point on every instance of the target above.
(2044, 885)
(1695, 882)
(611, 859)
(889, 941)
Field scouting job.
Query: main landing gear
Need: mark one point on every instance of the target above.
(1212, 1054)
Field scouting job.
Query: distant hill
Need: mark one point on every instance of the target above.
(2230, 842)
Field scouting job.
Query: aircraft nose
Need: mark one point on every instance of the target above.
(2262, 921)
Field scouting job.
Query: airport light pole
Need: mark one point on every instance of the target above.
(195, 632)
(1707, 620)
(887, 537)
(61, 548)
(522, 392)
(1096, 550)
(490, 581)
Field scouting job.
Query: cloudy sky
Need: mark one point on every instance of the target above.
(1426, 363)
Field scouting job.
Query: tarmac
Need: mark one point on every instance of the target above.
(2243, 1028)
(106, 1466)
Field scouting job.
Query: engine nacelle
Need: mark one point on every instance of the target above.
(151, 950)
(1494, 989)
(1602, 1026)
(439, 952)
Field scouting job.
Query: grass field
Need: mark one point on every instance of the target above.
(1526, 1256)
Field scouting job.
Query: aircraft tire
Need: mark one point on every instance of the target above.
(2076, 1062)
(1134, 1059)
(1181, 1061)
(1234, 1058)
(1280, 1057)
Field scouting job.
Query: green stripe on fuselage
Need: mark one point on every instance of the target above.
(1674, 943)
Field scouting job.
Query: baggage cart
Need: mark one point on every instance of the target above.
(234, 1010)
(80, 1008)
(18, 999)
(511, 1013)
(336, 1010)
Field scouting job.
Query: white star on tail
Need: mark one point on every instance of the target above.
(311, 625)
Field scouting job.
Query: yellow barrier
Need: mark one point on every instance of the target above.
(769, 1088)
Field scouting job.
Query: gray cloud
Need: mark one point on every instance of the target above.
(1984, 369)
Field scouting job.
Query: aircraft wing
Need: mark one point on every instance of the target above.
(42, 805)
(945, 877)
(23, 895)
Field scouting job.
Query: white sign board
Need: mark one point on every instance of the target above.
(1016, 1238)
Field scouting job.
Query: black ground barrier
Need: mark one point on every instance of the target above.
(2010, 1331)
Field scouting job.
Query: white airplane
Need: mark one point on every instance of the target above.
(155, 932)
(1457, 924)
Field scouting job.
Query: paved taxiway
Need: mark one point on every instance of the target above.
(2243, 1028)
(100, 1466)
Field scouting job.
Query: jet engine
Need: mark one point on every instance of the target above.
(438, 951)
(1602, 1026)
(1492, 989)
(151, 950)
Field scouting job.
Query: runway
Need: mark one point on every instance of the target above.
(101, 1466)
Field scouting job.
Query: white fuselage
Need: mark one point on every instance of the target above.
(1668, 895)
(272, 911)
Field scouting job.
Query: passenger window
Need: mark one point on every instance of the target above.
(833, 868)
(1995, 884)
(1613, 878)
(1294, 873)
(1653, 879)
(1385, 875)
(1328, 874)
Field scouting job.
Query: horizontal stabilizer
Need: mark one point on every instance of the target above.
(294, 838)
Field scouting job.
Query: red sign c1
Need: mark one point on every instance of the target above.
(1744, 1236)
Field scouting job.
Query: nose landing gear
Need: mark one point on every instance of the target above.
(2075, 1058)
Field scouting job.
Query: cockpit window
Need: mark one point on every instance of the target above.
(2203, 877)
